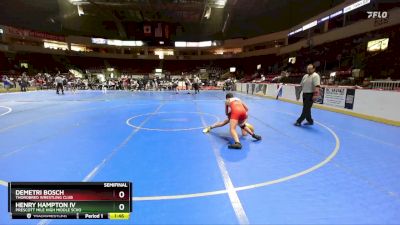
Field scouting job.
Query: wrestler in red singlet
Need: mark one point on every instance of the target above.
(238, 116)
(238, 111)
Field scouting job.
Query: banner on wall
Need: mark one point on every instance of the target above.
(166, 31)
(147, 30)
(320, 98)
(253, 88)
(350, 98)
(260, 89)
(279, 90)
(335, 97)
(243, 89)
(32, 34)
(298, 90)
(158, 31)
(265, 88)
(238, 87)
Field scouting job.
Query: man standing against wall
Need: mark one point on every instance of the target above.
(310, 86)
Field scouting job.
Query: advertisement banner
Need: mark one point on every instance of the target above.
(32, 34)
(166, 31)
(279, 90)
(158, 31)
(259, 89)
(320, 98)
(238, 87)
(335, 97)
(244, 86)
(265, 88)
(350, 98)
(253, 88)
(147, 30)
(298, 90)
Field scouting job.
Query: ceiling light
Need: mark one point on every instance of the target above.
(220, 3)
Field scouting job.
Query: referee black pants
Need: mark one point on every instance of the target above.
(196, 88)
(60, 87)
(307, 104)
(23, 87)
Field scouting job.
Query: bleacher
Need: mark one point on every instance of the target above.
(340, 56)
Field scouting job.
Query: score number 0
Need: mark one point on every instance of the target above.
(121, 194)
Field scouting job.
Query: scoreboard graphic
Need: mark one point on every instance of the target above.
(70, 200)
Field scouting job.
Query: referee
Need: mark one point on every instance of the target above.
(59, 82)
(196, 84)
(310, 85)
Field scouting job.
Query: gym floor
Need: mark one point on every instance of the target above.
(342, 170)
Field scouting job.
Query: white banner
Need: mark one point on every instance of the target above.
(259, 89)
(238, 87)
(244, 87)
(335, 97)
(137, 76)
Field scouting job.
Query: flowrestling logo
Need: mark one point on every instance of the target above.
(377, 14)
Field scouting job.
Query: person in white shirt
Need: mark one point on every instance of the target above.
(155, 84)
(310, 86)
(175, 84)
(104, 87)
(196, 84)
(59, 83)
(188, 84)
(74, 85)
(24, 82)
